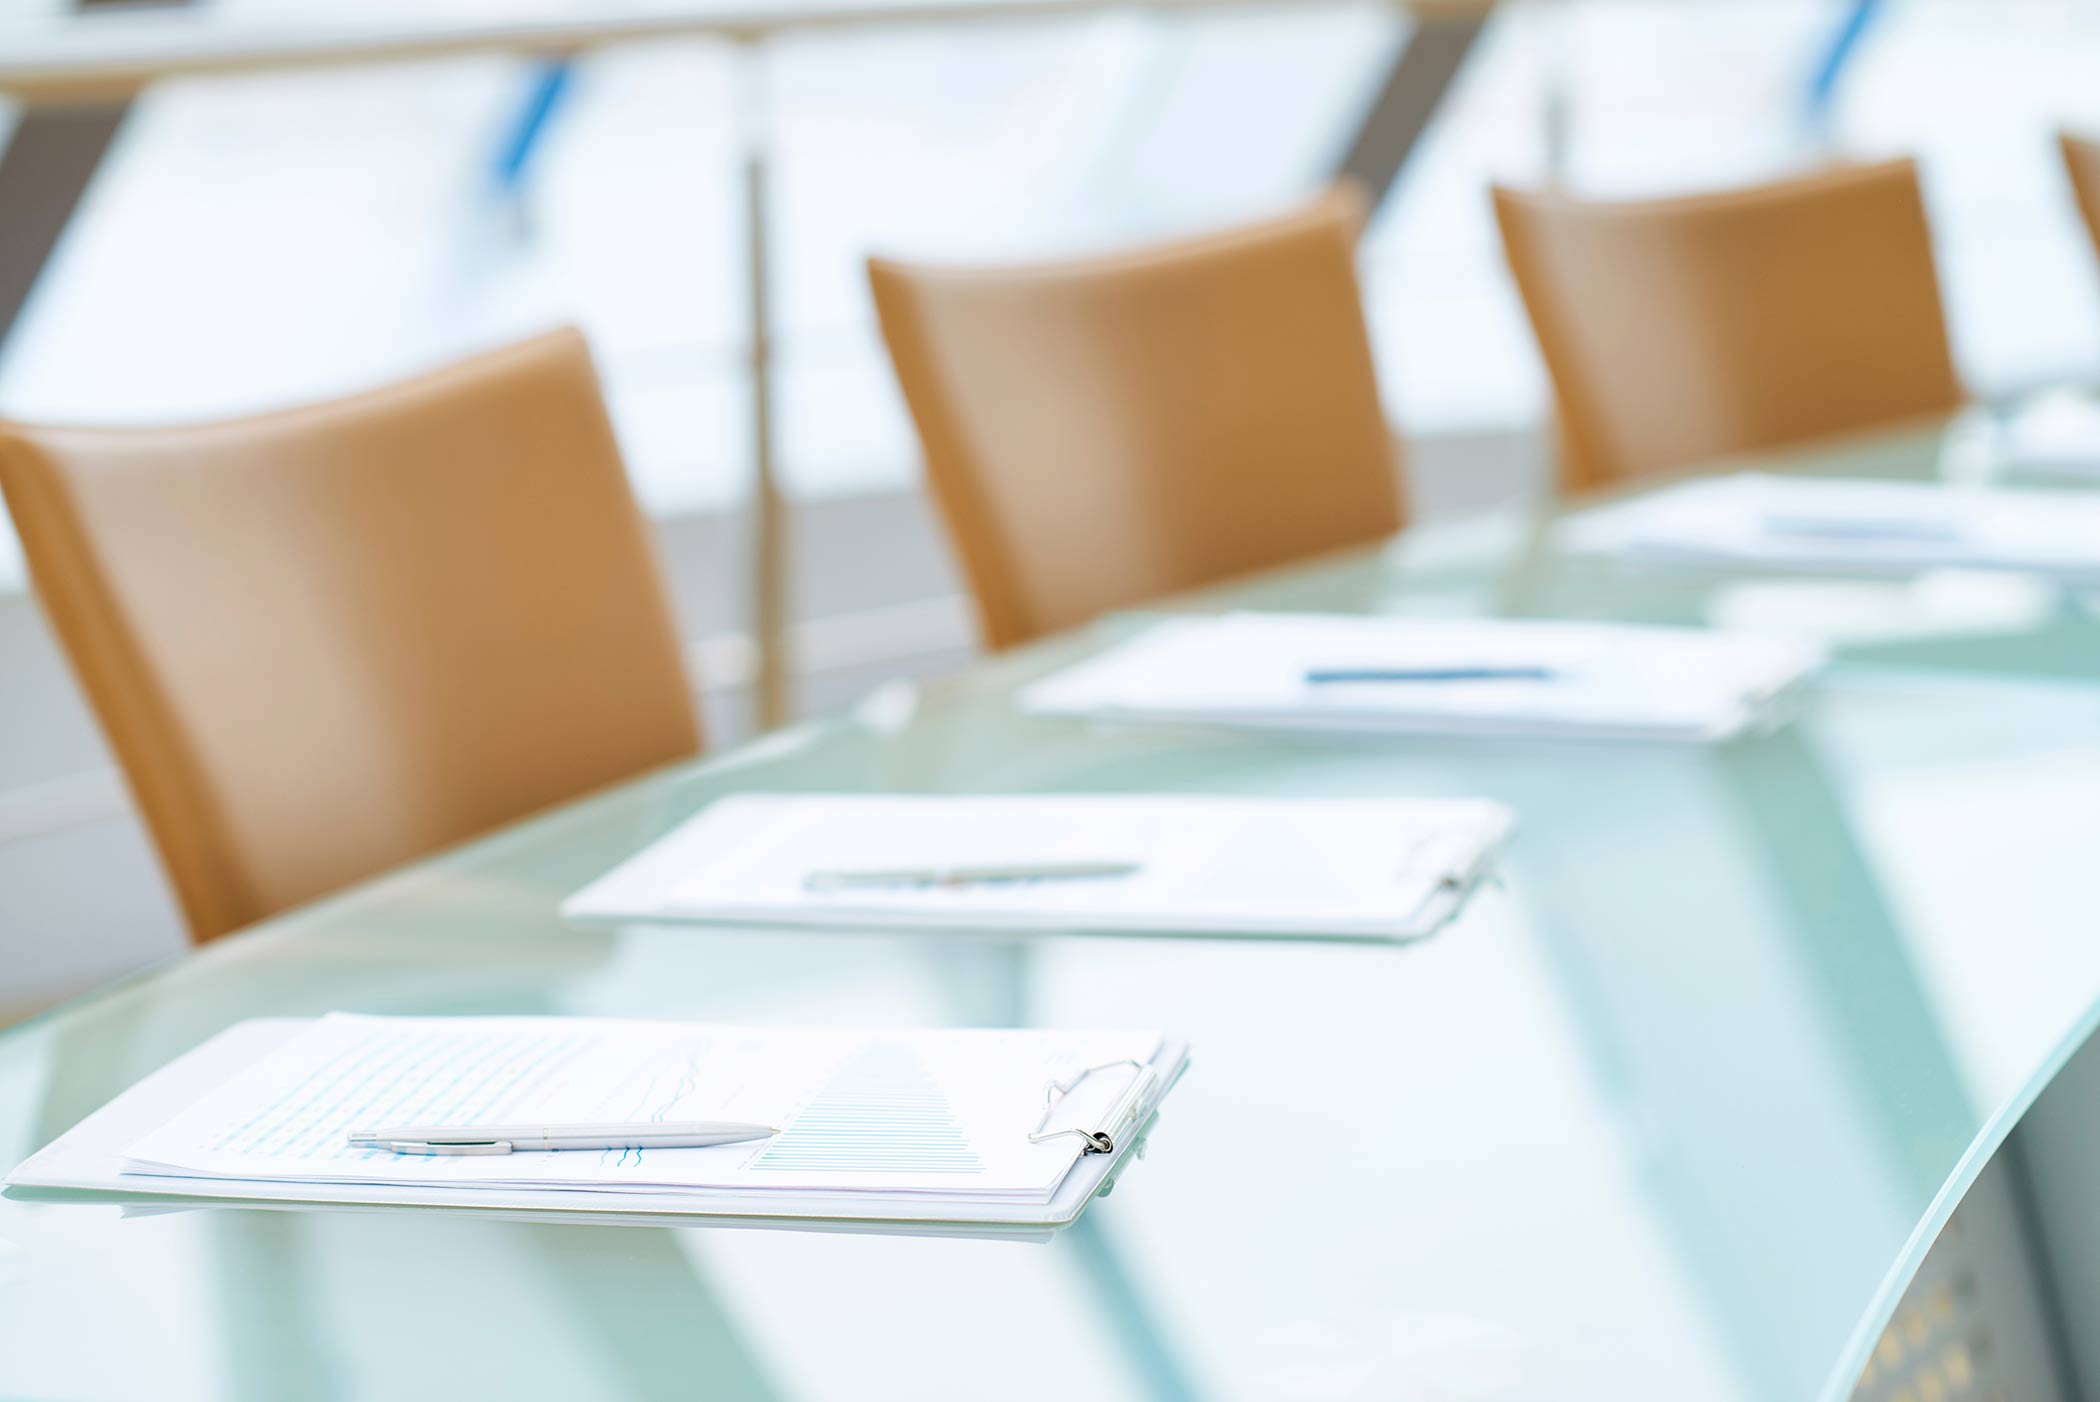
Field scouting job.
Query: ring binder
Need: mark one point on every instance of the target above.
(1098, 1141)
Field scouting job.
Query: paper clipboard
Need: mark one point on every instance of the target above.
(86, 1164)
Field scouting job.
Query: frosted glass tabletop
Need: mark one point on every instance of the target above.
(1650, 1119)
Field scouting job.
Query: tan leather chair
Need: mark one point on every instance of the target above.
(1104, 432)
(1679, 331)
(2082, 163)
(329, 641)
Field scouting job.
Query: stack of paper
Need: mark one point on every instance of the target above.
(1312, 672)
(1851, 527)
(1371, 868)
(873, 1124)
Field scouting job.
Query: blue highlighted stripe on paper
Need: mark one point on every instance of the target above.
(882, 1112)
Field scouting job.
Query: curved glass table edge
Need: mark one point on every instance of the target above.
(1874, 1318)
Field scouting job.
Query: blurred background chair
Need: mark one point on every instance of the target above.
(326, 642)
(1684, 330)
(1104, 432)
(2081, 158)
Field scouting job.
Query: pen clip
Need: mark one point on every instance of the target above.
(435, 1148)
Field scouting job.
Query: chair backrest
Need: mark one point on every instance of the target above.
(328, 641)
(1103, 432)
(1681, 331)
(2081, 158)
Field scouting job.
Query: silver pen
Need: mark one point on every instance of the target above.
(915, 878)
(508, 1139)
(1460, 672)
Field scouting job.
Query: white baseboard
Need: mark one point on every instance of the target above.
(57, 804)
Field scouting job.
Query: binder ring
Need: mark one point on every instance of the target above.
(1097, 1141)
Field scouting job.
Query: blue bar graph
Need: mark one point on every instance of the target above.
(881, 1113)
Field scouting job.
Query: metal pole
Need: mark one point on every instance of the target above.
(1416, 82)
(1557, 95)
(772, 692)
(44, 170)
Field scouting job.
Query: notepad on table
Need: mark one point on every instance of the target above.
(1136, 863)
(874, 1124)
(1844, 526)
(1380, 675)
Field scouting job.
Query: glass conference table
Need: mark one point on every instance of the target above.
(1651, 1119)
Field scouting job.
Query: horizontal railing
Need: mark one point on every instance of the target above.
(104, 56)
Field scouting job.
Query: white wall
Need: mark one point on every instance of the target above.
(80, 897)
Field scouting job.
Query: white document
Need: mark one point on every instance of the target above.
(1380, 675)
(1843, 526)
(1365, 868)
(923, 1125)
